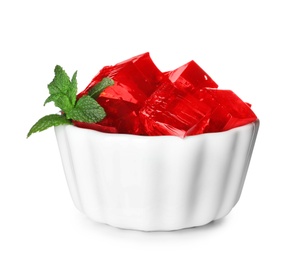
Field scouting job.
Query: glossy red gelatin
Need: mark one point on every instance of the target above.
(173, 111)
(191, 75)
(182, 102)
(135, 80)
(176, 111)
(231, 111)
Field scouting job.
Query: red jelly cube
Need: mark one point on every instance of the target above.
(122, 115)
(134, 81)
(146, 67)
(191, 75)
(179, 108)
(232, 111)
(174, 111)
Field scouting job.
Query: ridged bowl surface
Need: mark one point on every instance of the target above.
(155, 183)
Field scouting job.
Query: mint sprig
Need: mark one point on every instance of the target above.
(63, 91)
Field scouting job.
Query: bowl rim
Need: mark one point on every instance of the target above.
(255, 123)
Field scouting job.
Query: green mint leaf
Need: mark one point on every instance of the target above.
(86, 110)
(62, 90)
(48, 121)
(72, 91)
(61, 101)
(98, 88)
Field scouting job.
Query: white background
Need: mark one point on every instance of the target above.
(247, 46)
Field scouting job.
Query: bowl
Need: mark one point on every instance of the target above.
(155, 183)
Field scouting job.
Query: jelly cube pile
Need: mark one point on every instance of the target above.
(182, 102)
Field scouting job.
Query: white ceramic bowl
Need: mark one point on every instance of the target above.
(155, 183)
